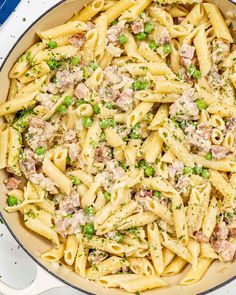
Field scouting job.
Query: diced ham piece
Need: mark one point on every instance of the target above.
(82, 91)
(231, 123)
(218, 152)
(36, 122)
(184, 108)
(114, 31)
(232, 228)
(27, 163)
(125, 99)
(187, 51)
(77, 40)
(45, 182)
(200, 237)
(221, 231)
(11, 183)
(102, 153)
(137, 27)
(145, 193)
(73, 151)
(225, 249)
(175, 168)
(70, 136)
(111, 75)
(97, 256)
(199, 137)
(64, 79)
(45, 100)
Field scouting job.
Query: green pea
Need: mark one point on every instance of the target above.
(123, 39)
(68, 100)
(187, 170)
(62, 109)
(75, 60)
(205, 173)
(197, 170)
(107, 123)
(157, 194)
(102, 137)
(149, 171)
(142, 164)
(152, 44)
(114, 22)
(107, 196)
(141, 36)
(138, 85)
(80, 101)
(93, 66)
(75, 180)
(167, 48)
(12, 201)
(201, 104)
(109, 105)
(208, 156)
(40, 151)
(52, 44)
(196, 74)
(69, 215)
(134, 134)
(96, 109)
(89, 229)
(87, 122)
(148, 27)
(90, 211)
(120, 237)
(53, 64)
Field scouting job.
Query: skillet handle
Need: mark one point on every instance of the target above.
(43, 282)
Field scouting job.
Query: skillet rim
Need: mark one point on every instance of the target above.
(4, 220)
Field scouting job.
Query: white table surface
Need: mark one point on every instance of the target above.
(12, 258)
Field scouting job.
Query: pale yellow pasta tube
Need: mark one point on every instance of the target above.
(160, 117)
(25, 60)
(176, 265)
(176, 147)
(146, 52)
(142, 284)
(203, 54)
(138, 113)
(135, 10)
(101, 25)
(180, 221)
(141, 266)
(95, 80)
(221, 165)
(18, 104)
(89, 11)
(117, 9)
(175, 55)
(4, 138)
(113, 138)
(139, 219)
(90, 195)
(54, 254)
(90, 45)
(160, 210)
(195, 274)
(209, 221)
(177, 247)
(65, 29)
(131, 48)
(81, 260)
(208, 252)
(152, 96)
(171, 87)
(34, 72)
(113, 281)
(194, 16)
(104, 245)
(59, 158)
(155, 247)
(141, 69)
(40, 222)
(59, 178)
(218, 23)
(71, 249)
(83, 176)
(31, 87)
(162, 16)
(14, 147)
(91, 141)
(223, 110)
